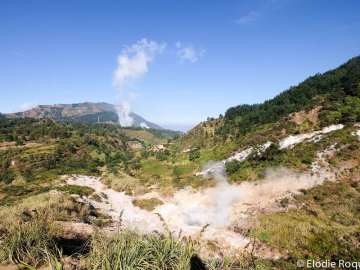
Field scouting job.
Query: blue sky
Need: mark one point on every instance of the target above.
(201, 57)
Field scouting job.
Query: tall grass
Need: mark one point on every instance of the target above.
(27, 230)
(28, 238)
(27, 243)
(129, 251)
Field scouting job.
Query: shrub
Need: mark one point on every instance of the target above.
(194, 154)
(162, 155)
(232, 166)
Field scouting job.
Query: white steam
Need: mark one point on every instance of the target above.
(132, 64)
(124, 113)
(224, 205)
(133, 61)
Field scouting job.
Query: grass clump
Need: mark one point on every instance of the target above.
(79, 190)
(27, 243)
(123, 182)
(128, 250)
(147, 204)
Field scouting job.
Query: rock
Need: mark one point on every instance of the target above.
(75, 230)
(8, 267)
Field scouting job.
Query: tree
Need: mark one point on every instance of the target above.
(194, 154)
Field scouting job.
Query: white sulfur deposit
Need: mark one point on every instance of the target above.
(209, 214)
(356, 133)
(239, 156)
(117, 204)
(315, 136)
(287, 142)
(242, 155)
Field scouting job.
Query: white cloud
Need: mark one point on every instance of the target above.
(188, 53)
(252, 16)
(133, 62)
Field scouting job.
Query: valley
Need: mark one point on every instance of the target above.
(260, 187)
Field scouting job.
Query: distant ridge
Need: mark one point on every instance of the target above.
(86, 112)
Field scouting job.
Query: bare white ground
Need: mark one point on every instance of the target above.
(210, 214)
(117, 204)
(356, 133)
(315, 136)
(239, 156)
(287, 142)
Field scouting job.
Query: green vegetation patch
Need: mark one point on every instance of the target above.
(325, 225)
(28, 243)
(50, 149)
(75, 189)
(147, 204)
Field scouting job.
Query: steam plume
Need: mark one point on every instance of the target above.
(125, 118)
(132, 64)
(224, 204)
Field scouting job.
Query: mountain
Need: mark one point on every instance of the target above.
(87, 112)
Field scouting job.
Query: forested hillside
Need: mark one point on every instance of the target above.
(32, 149)
(332, 97)
(337, 91)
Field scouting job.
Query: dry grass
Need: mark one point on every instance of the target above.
(123, 183)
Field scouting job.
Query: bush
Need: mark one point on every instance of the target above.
(162, 155)
(194, 154)
(232, 166)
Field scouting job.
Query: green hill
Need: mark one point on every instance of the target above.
(334, 95)
(335, 90)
